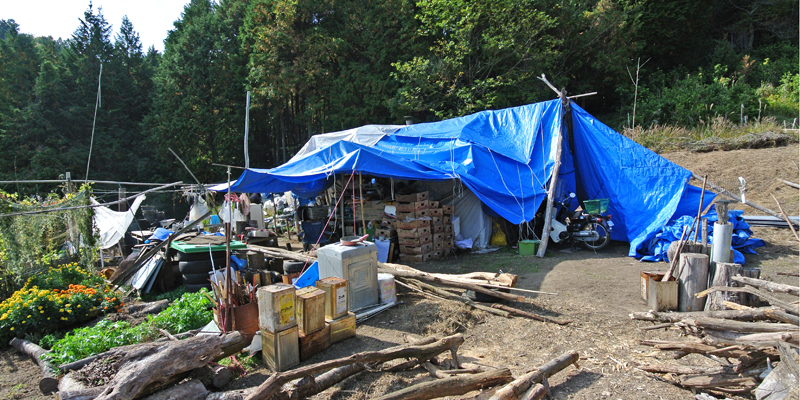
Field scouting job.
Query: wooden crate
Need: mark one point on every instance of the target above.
(408, 258)
(438, 228)
(438, 237)
(412, 197)
(447, 219)
(438, 246)
(403, 224)
(414, 232)
(436, 212)
(280, 350)
(448, 209)
(434, 204)
(336, 300)
(415, 241)
(436, 221)
(385, 232)
(389, 223)
(316, 342)
(448, 228)
(276, 307)
(405, 215)
(417, 205)
(422, 249)
(310, 310)
(342, 328)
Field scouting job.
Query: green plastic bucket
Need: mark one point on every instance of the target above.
(528, 247)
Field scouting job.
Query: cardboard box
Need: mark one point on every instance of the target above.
(448, 209)
(385, 232)
(436, 220)
(438, 246)
(316, 342)
(422, 249)
(448, 228)
(412, 214)
(412, 197)
(414, 257)
(447, 219)
(416, 223)
(417, 205)
(342, 328)
(415, 241)
(436, 212)
(438, 228)
(434, 204)
(438, 237)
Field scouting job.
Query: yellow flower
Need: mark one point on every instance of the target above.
(69, 311)
(41, 312)
(23, 321)
(40, 307)
(61, 310)
(12, 328)
(78, 306)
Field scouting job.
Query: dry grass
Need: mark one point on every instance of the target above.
(716, 134)
(443, 317)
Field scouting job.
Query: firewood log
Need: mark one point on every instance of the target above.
(756, 314)
(452, 386)
(189, 390)
(519, 386)
(767, 285)
(720, 324)
(273, 384)
(49, 381)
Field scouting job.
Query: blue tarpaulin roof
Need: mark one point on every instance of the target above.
(505, 157)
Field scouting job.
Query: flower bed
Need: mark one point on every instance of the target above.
(62, 297)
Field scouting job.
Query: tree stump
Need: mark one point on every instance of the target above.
(693, 278)
(723, 272)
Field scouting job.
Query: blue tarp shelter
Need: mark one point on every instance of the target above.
(506, 157)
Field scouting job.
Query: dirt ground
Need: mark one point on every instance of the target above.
(596, 290)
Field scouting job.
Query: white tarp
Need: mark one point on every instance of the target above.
(112, 225)
(366, 135)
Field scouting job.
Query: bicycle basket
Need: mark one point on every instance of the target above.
(597, 206)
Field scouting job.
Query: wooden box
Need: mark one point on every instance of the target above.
(414, 232)
(405, 215)
(415, 241)
(437, 246)
(342, 328)
(414, 257)
(448, 228)
(436, 221)
(412, 197)
(316, 342)
(659, 296)
(402, 224)
(422, 249)
(387, 233)
(433, 204)
(438, 237)
(438, 228)
(310, 310)
(336, 300)
(447, 219)
(417, 205)
(436, 212)
(280, 350)
(448, 209)
(389, 223)
(276, 310)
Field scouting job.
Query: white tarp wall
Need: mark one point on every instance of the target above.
(112, 225)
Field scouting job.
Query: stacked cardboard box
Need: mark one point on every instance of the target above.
(442, 228)
(414, 227)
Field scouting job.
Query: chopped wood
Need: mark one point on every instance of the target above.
(80, 394)
(735, 306)
(216, 377)
(48, 383)
(781, 383)
(755, 339)
(536, 392)
(515, 311)
(754, 357)
(520, 386)
(680, 369)
(690, 347)
(460, 299)
(273, 384)
(738, 326)
(439, 281)
(692, 278)
(760, 293)
(451, 386)
(145, 366)
(767, 285)
(189, 390)
(779, 315)
(755, 314)
(708, 381)
(722, 276)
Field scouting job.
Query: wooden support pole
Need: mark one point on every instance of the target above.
(551, 191)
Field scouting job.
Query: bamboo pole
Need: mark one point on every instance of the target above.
(553, 180)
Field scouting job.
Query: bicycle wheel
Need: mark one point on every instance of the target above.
(602, 241)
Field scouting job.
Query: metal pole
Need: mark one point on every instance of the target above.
(246, 128)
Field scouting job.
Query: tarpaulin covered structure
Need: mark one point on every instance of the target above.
(506, 158)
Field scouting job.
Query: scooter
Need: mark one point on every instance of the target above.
(591, 230)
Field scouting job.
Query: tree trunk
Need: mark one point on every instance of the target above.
(752, 339)
(154, 307)
(519, 386)
(147, 365)
(216, 377)
(272, 385)
(692, 278)
(48, 384)
(739, 326)
(191, 390)
(452, 386)
(750, 299)
(756, 314)
(723, 272)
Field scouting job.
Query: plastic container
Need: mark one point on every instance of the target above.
(597, 206)
(528, 247)
(383, 245)
(388, 293)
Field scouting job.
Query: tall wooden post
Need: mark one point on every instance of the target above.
(123, 205)
(553, 177)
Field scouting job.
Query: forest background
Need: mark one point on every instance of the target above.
(315, 66)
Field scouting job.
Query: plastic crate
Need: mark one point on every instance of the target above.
(597, 206)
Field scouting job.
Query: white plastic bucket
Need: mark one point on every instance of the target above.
(388, 293)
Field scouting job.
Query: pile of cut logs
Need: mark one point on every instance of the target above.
(756, 348)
